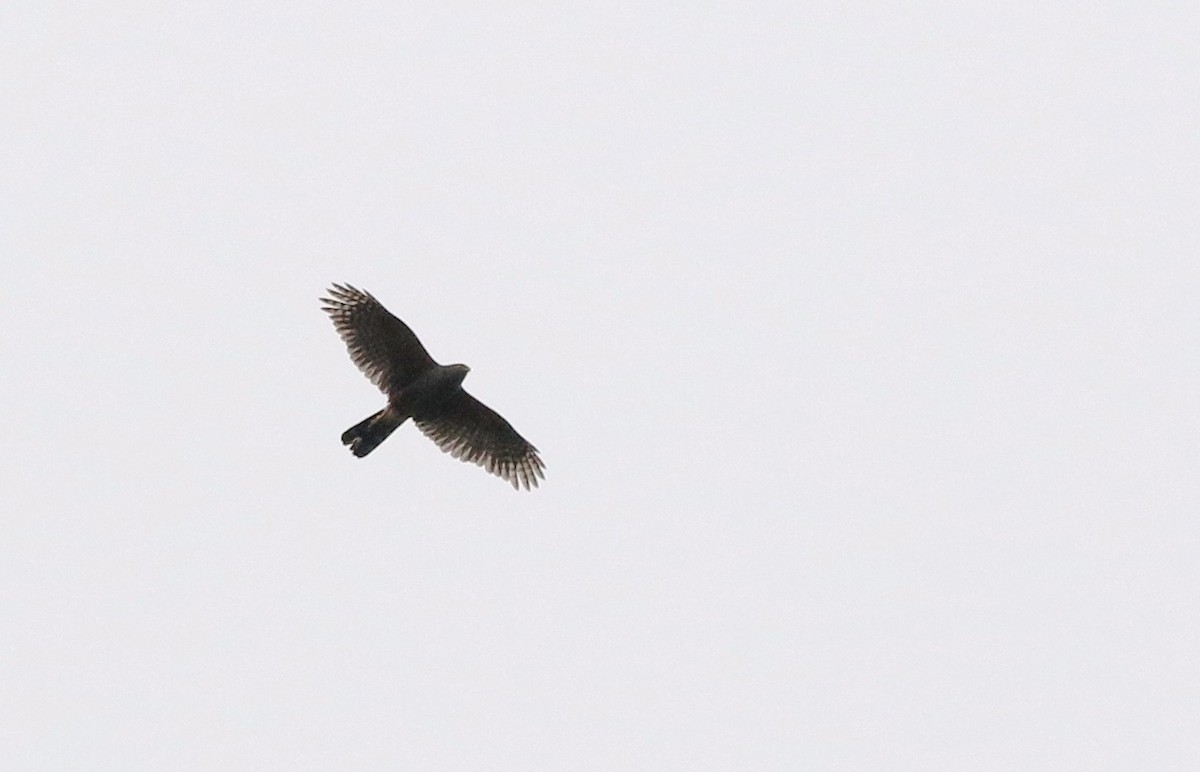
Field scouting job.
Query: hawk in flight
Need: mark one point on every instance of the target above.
(389, 354)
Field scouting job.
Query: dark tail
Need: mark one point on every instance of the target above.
(366, 435)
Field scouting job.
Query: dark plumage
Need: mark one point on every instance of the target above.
(389, 354)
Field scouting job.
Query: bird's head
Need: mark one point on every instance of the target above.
(458, 371)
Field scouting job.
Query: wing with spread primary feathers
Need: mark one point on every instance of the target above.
(382, 346)
(469, 430)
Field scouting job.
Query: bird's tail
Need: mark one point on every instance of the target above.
(366, 435)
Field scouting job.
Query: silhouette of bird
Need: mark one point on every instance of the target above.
(391, 356)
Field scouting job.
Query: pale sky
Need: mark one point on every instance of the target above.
(859, 340)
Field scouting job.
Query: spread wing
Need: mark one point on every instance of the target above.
(382, 346)
(469, 430)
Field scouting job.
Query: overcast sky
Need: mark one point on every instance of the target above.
(860, 343)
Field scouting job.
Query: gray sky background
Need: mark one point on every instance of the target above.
(860, 343)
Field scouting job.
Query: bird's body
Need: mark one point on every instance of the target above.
(427, 392)
(431, 388)
(417, 387)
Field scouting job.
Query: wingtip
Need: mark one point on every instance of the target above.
(339, 295)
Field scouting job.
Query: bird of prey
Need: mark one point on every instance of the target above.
(389, 354)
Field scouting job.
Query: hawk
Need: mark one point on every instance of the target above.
(389, 354)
